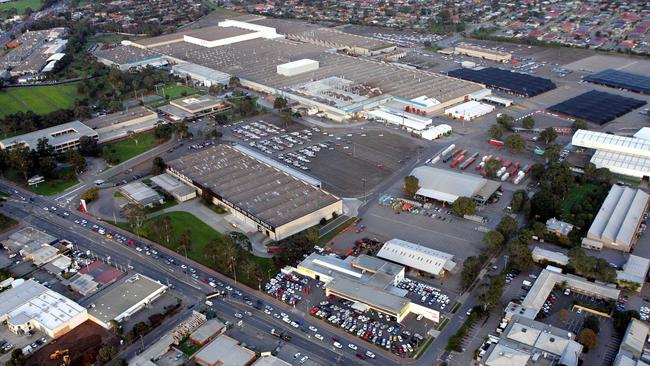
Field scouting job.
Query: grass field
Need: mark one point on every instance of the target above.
(21, 5)
(48, 188)
(174, 91)
(127, 148)
(577, 194)
(38, 99)
(201, 235)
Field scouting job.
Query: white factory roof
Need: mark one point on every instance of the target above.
(643, 133)
(635, 269)
(624, 164)
(55, 136)
(402, 119)
(619, 216)
(550, 256)
(299, 63)
(469, 110)
(201, 72)
(446, 185)
(33, 301)
(425, 101)
(614, 143)
(416, 256)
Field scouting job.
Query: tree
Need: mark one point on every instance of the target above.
(544, 205)
(579, 124)
(19, 160)
(515, 143)
(552, 153)
(312, 235)
(588, 338)
(520, 255)
(494, 240)
(17, 358)
(492, 167)
(463, 206)
(518, 200)
(492, 292)
(528, 122)
(590, 267)
(165, 228)
(185, 241)
(495, 131)
(411, 186)
(623, 318)
(507, 226)
(106, 353)
(591, 322)
(548, 135)
(234, 82)
(182, 130)
(506, 121)
(163, 131)
(77, 160)
(471, 268)
(280, 103)
(157, 166)
(216, 88)
(88, 146)
(91, 194)
(134, 214)
(286, 118)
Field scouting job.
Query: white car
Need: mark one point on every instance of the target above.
(318, 336)
(352, 346)
(370, 354)
(338, 345)
(313, 328)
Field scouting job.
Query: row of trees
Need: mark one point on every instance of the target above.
(43, 161)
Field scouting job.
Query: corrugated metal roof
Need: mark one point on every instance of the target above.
(614, 143)
(416, 256)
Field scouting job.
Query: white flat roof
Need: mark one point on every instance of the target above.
(401, 119)
(416, 256)
(33, 301)
(299, 63)
(446, 185)
(55, 136)
(614, 143)
(471, 109)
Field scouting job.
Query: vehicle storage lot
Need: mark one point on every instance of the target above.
(340, 158)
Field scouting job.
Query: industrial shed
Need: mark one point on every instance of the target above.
(597, 107)
(140, 193)
(618, 220)
(623, 155)
(506, 80)
(177, 189)
(403, 119)
(417, 257)
(446, 185)
(469, 110)
(265, 198)
(621, 80)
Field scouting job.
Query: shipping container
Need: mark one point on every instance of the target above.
(457, 161)
(507, 164)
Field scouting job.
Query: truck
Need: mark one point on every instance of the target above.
(505, 176)
(469, 161)
(476, 218)
(281, 335)
(447, 158)
(448, 149)
(497, 143)
(457, 161)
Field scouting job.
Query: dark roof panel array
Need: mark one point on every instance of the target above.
(620, 79)
(597, 107)
(506, 80)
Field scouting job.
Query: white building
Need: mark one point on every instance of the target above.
(618, 220)
(32, 306)
(417, 257)
(140, 193)
(629, 156)
(297, 67)
(405, 120)
(62, 137)
(177, 189)
(469, 110)
(447, 185)
(433, 133)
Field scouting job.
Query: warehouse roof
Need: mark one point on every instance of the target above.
(635, 336)
(619, 216)
(33, 301)
(446, 185)
(470, 110)
(274, 163)
(620, 79)
(126, 54)
(198, 71)
(597, 107)
(550, 256)
(506, 80)
(140, 193)
(207, 330)
(341, 39)
(417, 256)
(55, 136)
(123, 297)
(270, 361)
(263, 191)
(224, 351)
(120, 117)
(635, 269)
(613, 143)
(171, 184)
(28, 240)
(196, 103)
(208, 33)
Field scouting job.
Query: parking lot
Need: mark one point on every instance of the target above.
(29, 342)
(346, 161)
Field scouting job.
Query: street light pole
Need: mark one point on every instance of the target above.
(364, 190)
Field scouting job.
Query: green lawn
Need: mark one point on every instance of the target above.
(188, 347)
(167, 204)
(21, 5)
(128, 148)
(577, 194)
(174, 91)
(47, 188)
(6, 223)
(201, 235)
(10, 134)
(329, 236)
(38, 99)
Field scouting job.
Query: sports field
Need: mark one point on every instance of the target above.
(174, 91)
(21, 5)
(38, 99)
